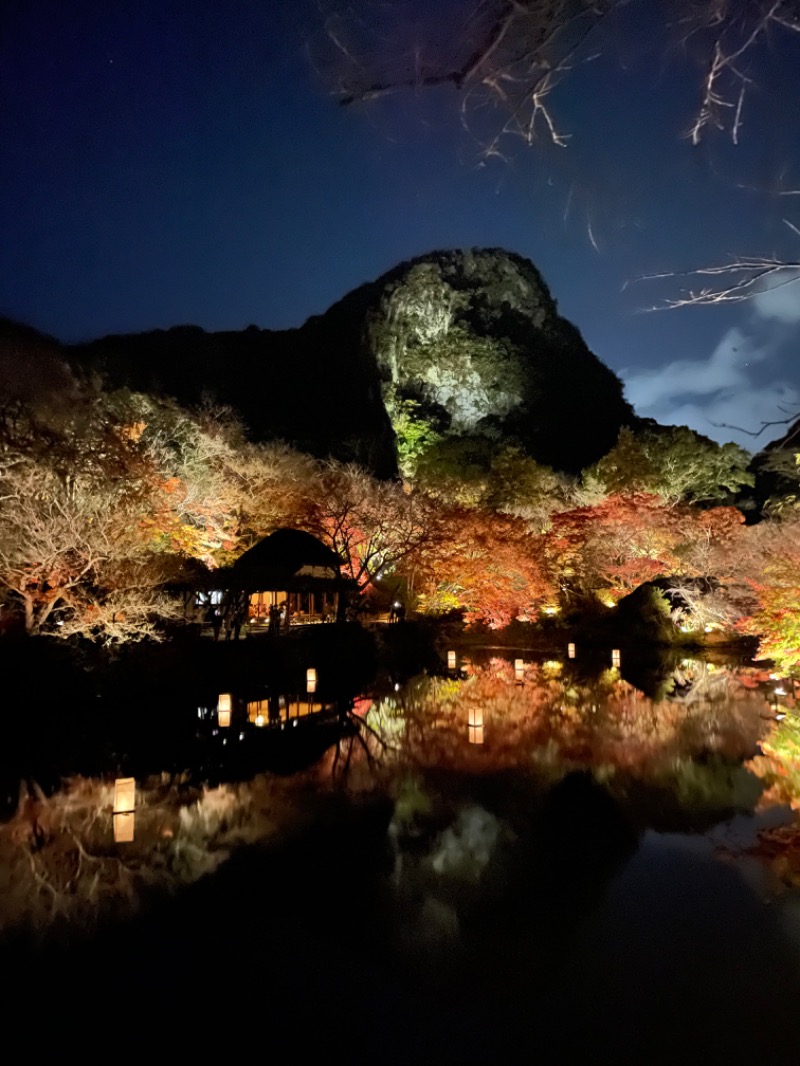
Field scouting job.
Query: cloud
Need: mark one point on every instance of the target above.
(716, 394)
(725, 369)
(782, 301)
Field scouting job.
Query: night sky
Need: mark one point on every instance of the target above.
(167, 162)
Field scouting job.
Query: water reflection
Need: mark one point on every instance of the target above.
(546, 720)
(490, 830)
(472, 763)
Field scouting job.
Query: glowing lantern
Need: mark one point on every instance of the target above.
(259, 720)
(311, 679)
(123, 828)
(124, 795)
(475, 725)
(224, 704)
(451, 660)
(570, 651)
(124, 807)
(616, 658)
(519, 669)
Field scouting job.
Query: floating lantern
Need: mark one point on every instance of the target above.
(124, 795)
(224, 705)
(451, 660)
(616, 658)
(311, 679)
(124, 807)
(476, 725)
(570, 651)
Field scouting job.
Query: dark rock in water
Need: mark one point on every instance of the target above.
(582, 837)
(472, 338)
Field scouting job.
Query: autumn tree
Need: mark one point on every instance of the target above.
(608, 549)
(72, 555)
(373, 525)
(94, 524)
(484, 564)
(273, 484)
(185, 463)
(775, 618)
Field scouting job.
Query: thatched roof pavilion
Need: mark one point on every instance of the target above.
(291, 578)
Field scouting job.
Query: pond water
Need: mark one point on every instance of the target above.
(510, 860)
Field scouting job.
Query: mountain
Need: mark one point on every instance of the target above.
(472, 338)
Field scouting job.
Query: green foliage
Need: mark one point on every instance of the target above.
(455, 469)
(416, 433)
(518, 485)
(675, 463)
(784, 466)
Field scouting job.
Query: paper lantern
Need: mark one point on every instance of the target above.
(451, 660)
(570, 651)
(476, 725)
(124, 795)
(224, 706)
(519, 669)
(616, 658)
(124, 806)
(311, 679)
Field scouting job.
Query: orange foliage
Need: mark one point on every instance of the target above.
(484, 563)
(630, 538)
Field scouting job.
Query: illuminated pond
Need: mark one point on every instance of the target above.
(511, 854)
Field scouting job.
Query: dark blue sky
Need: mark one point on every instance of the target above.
(166, 162)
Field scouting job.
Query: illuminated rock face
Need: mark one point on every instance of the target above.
(475, 337)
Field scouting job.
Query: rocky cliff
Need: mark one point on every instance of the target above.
(473, 338)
